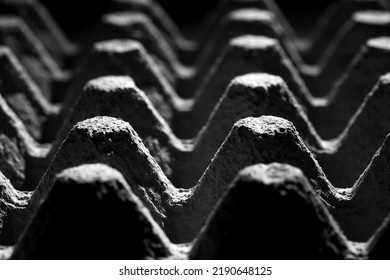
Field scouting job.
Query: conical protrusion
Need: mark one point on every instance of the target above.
(254, 140)
(236, 23)
(118, 96)
(137, 26)
(351, 89)
(244, 55)
(335, 16)
(299, 226)
(159, 17)
(113, 142)
(249, 95)
(363, 26)
(125, 57)
(225, 7)
(91, 213)
(228, 6)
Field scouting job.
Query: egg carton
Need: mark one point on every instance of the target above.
(159, 167)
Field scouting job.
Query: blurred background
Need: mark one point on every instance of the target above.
(74, 15)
